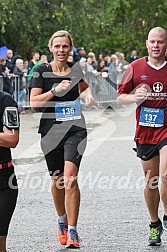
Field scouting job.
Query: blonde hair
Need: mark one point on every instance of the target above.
(92, 55)
(61, 33)
(18, 62)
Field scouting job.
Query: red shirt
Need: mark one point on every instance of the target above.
(138, 73)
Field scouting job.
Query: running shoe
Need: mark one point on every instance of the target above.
(164, 223)
(62, 232)
(155, 235)
(73, 240)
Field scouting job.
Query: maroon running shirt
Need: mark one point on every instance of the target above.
(138, 73)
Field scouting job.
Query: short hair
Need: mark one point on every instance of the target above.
(158, 29)
(61, 33)
(10, 50)
(114, 56)
(19, 61)
(33, 53)
(44, 56)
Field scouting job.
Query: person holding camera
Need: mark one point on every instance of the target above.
(9, 137)
(57, 87)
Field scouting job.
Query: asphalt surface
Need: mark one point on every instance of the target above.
(113, 215)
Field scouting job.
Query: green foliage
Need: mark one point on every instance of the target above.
(116, 25)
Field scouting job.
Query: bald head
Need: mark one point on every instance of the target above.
(156, 45)
(158, 30)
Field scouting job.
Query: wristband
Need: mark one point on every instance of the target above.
(53, 90)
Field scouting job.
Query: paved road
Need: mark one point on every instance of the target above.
(113, 216)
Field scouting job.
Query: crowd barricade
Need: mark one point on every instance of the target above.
(1, 83)
(15, 83)
(104, 88)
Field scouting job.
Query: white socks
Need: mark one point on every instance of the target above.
(72, 227)
(61, 219)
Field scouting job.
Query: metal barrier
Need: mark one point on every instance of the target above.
(1, 83)
(15, 81)
(17, 91)
(104, 89)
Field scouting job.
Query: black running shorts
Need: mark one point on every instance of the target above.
(148, 151)
(8, 198)
(59, 148)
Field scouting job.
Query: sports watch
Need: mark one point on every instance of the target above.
(53, 90)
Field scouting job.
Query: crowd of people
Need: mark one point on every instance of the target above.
(104, 63)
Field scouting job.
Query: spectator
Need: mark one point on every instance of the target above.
(25, 65)
(112, 70)
(118, 54)
(114, 63)
(33, 63)
(5, 77)
(82, 53)
(107, 57)
(83, 64)
(19, 88)
(9, 57)
(101, 66)
(89, 67)
(44, 58)
(15, 57)
(121, 66)
(70, 58)
(133, 56)
(94, 61)
(76, 55)
(100, 56)
(34, 60)
(102, 72)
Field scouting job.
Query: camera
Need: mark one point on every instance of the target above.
(11, 118)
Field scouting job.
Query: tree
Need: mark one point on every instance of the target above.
(116, 25)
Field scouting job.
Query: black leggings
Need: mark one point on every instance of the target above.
(8, 198)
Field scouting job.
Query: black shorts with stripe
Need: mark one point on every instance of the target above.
(148, 151)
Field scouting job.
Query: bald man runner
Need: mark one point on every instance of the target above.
(145, 84)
